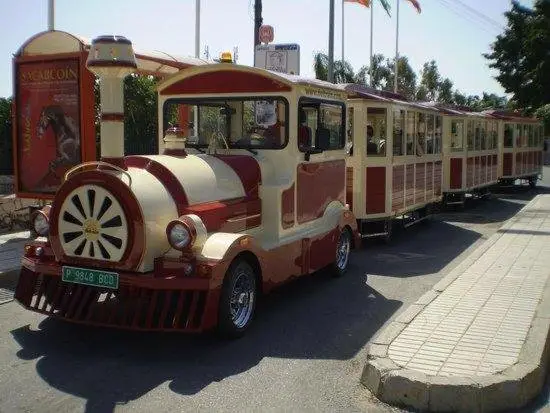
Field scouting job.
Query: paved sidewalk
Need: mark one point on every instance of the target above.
(11, 251)
(477, 340)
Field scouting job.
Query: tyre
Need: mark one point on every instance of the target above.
(238, 299)
(343, 250)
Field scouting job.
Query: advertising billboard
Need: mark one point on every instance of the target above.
(48, 123)
(278, 57)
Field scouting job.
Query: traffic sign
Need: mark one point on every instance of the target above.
(266, 34)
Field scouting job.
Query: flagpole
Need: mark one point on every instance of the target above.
(371, 35)
(396, 49)
(343, 31)
(197, 28)
(51, 14)
(331, 42)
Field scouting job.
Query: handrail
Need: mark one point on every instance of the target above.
(98, 163)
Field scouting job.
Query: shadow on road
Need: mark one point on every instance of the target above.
(316, 317)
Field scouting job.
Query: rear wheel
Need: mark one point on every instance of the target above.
(343, 250)
(238, 299)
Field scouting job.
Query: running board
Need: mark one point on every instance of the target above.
(416, 221)
(376, 234)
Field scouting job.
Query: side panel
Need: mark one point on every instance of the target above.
(483, 177)
(456, 173)
(507, 164)
(438, 170)
(420, 183)
(409, 185)
(429, 180)
(398, 185)
(287, 208)
(349, 187)
(470, 172)
(318, 185)
(375, 189)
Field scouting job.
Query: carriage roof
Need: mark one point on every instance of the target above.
(357, 91)
(59, 42)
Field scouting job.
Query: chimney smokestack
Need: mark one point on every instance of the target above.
(112, 58)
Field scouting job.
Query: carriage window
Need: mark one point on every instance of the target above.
(349, 133)
(376, 131)
(508, 135)
(421, 134)
(398, 126)
(457, 135)
(438, 133)
(321, 121)
(535, 136)
(477, 136)
(531, 136)
(470, 134)
(483, 135)
(495, 135)
(233, 123)
(518, 135)
(525, 136)
(410, 132)
(430, 120)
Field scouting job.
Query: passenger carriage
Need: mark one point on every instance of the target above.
(395, 165)
(249, 191)
(470, 153)
(521, 147)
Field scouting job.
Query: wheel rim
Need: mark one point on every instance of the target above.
(342, 250)
(242, 299)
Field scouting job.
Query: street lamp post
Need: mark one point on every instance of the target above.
(331, 43)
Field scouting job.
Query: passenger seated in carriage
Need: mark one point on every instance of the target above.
(304, 131)
(372, 147)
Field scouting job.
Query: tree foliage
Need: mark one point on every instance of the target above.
(6, 162)
(521, 55)
(430, 85)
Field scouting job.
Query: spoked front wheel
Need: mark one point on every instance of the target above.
(238, 299)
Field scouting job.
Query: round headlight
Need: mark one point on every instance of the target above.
(179, 236)
(40, 224)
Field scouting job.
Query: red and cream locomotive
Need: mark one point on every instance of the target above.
(187, 239)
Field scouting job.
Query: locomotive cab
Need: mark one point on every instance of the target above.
(248, 191)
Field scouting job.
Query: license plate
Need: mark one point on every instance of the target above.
(86, 276)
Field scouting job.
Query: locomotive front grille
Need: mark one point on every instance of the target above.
(92, 224)
(128, 307)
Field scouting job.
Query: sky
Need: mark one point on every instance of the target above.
(455, 33)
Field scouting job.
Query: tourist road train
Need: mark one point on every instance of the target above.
(261, 177)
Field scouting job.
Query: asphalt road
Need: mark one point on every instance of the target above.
(305, 352)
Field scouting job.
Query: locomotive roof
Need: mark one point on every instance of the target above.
(255, 80)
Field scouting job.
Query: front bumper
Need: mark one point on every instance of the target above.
(141, 302)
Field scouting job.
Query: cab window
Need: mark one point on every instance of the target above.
(321, 125)
(234, 123)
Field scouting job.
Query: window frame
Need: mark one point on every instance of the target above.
(343, 125)
(462, 122)
(402, 117)
(193, 102)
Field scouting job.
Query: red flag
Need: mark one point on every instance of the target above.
(416, 5)
(365, 3)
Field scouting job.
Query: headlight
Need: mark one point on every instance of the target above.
(41, 224)
(181, 234)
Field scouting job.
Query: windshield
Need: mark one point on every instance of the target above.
(240, 123)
